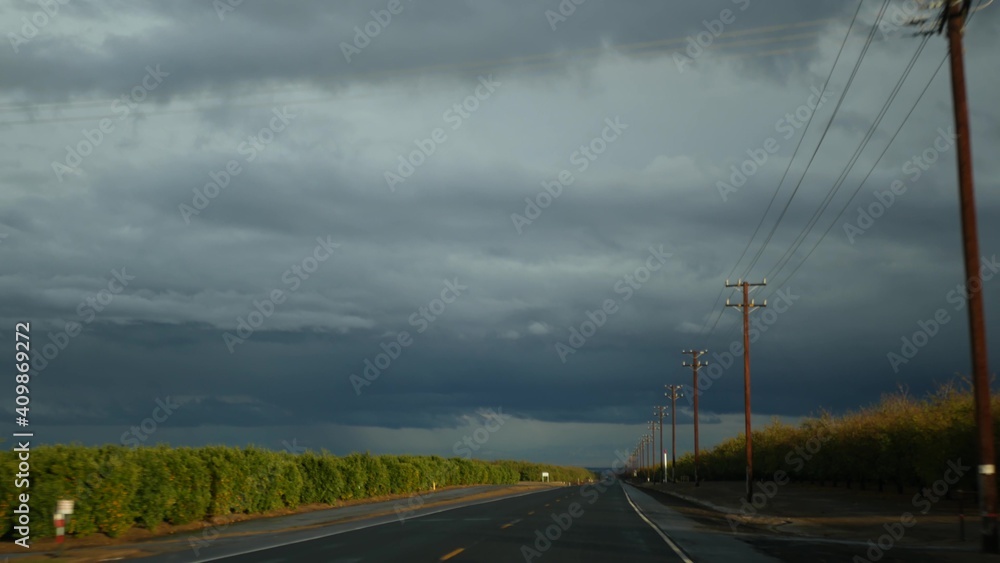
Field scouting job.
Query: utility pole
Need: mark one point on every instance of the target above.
(955, 12)
(636, 461)
(747, 306)
(652, 445)
(694, 365)
(952, 20)
(645, 452)
(638, 456)
(662, 453)
(642, 452)
(673, 395)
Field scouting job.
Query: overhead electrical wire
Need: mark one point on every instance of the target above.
(803, 235)
(652, 48)
(826, 130)
(807, 230)
(879, 160)
(864, 180)
(829, 76)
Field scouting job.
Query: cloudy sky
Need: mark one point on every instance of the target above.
(358, 225)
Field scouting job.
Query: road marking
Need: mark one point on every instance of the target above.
(530, 513)
(452, 554)
(388, 520)
(656, 529)
(509, 524)
(546, 506)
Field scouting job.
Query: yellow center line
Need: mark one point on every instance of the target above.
(509, 524)
(452, 554)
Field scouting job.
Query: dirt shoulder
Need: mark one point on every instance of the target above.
(835, 513)
(814, 524)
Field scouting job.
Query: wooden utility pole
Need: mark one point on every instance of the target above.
(652, 446)
(638, 456)
(747, 305)
(673, 395)
(663, 463)
(955, 12)
(952, 20)
(642, 453)
(694, 365)
(646, 440)
(638, 461)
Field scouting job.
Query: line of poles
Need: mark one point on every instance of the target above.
(950, 21)
(644, 457)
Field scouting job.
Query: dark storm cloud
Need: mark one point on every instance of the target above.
(262, 44)
(501, 342)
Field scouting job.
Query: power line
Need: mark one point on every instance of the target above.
(829, 76)
(655, 47)
(872, 169)
(826, 130)
(850, 165)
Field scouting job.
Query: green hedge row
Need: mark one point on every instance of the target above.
(117, 488)
(901, 442)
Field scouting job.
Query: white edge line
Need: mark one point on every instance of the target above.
(680, 553)
(363, 527)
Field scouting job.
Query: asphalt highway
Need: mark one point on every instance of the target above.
(592, 523)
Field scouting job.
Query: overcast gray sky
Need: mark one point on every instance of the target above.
(232, 210)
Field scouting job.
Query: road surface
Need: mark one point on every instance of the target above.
(578, 524)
